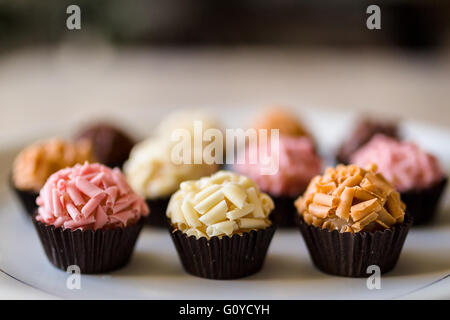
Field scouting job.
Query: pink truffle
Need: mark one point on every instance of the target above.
(298, 164)
(404, 164)
(89, 196)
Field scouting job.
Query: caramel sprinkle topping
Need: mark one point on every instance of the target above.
(351, 199)
(38, 161)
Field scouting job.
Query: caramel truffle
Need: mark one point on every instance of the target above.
(351, 219)
(281, 119)
(351, 199)
(38, 161)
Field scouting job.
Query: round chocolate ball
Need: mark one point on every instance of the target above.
(111, 146)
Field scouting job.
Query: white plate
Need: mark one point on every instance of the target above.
(423, 270)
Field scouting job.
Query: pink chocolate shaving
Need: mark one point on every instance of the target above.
(86, 187)
(89, 196)
(101, 218)
(298, 164)
(92, 204)
(57, 205)
(404, 164)
(75, 195)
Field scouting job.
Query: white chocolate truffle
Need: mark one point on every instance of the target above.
(220, 205)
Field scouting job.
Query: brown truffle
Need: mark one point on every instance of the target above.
(364, 130)
(111, 146)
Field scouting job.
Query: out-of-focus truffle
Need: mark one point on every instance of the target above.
(364, 130)
(40, 160)
(111, 146)
(280, 118)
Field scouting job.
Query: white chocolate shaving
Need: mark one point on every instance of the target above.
(209, 202)
(235, 194)
(221, 205)
(215, 214)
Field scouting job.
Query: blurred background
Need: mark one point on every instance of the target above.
(134, 56)
(134, 61)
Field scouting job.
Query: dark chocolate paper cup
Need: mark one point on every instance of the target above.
(423, 204)
(157, 216)
(92, 251)
(26, 198)
(349, 254)
(284, 213)
(223, 258)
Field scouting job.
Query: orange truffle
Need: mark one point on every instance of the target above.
(280, 118)
(38, 161)
(351, 199)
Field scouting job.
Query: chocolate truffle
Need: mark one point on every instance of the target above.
(111, 146)
(90, 217)
(415, 173)
(364, 130)
(220, 225)
(351, 218)
(297, 163)
(280, 118)
(150, 170)
(40, 160)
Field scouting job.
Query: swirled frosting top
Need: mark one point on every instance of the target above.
(152, 173)
(404, 164)
(276, 117)
(37, 162)
(298, 163)
(89, 196)
(220, 205)
(351, 199)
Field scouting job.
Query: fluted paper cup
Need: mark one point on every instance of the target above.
(349, 254)
(26, 198)
(92, 251)
(157, 216)
(423, 204)
(223, 258)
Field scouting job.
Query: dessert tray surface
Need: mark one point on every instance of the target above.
(155, 272)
